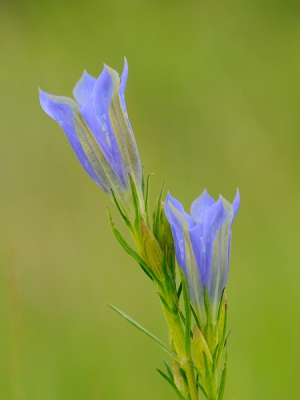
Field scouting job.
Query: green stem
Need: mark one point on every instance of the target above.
(190, 374)
(175, 326)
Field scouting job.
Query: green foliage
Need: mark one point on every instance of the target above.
(171, 382)
(147, 333)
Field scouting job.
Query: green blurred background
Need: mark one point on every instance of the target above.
(213, 97)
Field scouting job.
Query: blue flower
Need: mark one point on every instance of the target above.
(202, 246)
(98, 129)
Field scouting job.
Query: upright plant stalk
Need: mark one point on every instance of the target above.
(197, 245)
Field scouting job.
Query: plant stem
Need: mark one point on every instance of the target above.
(176, 330)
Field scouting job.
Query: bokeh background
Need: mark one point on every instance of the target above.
(213, 97)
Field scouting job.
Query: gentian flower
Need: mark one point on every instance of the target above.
(98, 129)
(202, 246)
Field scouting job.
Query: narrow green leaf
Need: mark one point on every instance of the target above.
(215, 358)
(135, 198)
(222, 329)
(224, 337)
(207, 369)
(195, 317)
(143, 184)
(220, 306)
(197, 370)
(171, 383)
(150, 335)
(158, 210)
(182, 316)
(168, 368)
(202, 389)
(168, 281)
(123, 216)
(129, 249)
(226, 340)
(187, 308)
(179, 290)
(164, 267)
(199, 375)
(207, 305)
(147, 198)
(164, 302)
(223, 380)
(225, 324)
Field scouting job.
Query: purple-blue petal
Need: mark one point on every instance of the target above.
(189, 220)
(177, 228)
(236, 204)
(200, 205)
(62, 109)
(95, 112)
(123, 83)
(219, 232)
(84, 88)
(202, 238)
(200, 252)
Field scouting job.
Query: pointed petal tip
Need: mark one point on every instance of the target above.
(109, 70)
(85, 75)
(42, 93)
(44, 101)
(220, 200)
(170, 197)
(83, 88)
(236, 202)
(206, 195)
(125, 68)
(108, 76)
(200, 204)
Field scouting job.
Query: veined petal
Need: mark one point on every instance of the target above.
(65, 111)
(235, 207)
(122, 88)
(202, 247)
(180, 208)
(200, 205)
(177, 228)
(99, 131)
(184, 252)
(123, 83)
(95, 112)
(202, 237)
(202, 254)
(219, 228)
(84, 88)
(236, 204)
(123, 133)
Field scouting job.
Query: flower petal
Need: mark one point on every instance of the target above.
(122, 88)
(123, 132)
(172, 204)
(95, 112)
(236, 204)
(84, 88)
(123, 83)
(184, 252)
(202, 236)
(200, 205)
(217, 233)
(65, 111)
